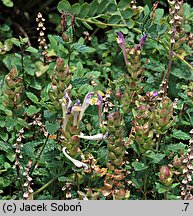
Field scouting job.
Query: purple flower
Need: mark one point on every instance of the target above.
(121, 41)
(155, 94)
(142, 42)
(86, 103)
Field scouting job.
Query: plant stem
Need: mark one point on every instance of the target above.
(165, 87)
(38, 157)
(106, 24)
(45, 186)
(145, 182)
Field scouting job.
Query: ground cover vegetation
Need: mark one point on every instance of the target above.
(96, 100)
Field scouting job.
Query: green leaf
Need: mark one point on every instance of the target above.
(114, 19)
(102, 6)
(128, 13)
(41, 68)
(32, 97)
(49, 115)
(161, 29)
(87, 25)
(83, 48)
(4, 182)
(63, 5)
(93, 8)
(3, 135)
(75, 8)
(123, 3)
(8, 3)
(16, 42)
(139, 166)
(178, 134)
(160, 188)
(22, 122)
(112, 8)
(130, 23)
(84, 10)
(5, 146)
(2, 123)
(158, 15)
(146, 10)
(174, 185)
(154, 158)
(11, 156)
(52, 127)
(8, 44)
(32, 110)
(175, 148)
(31, 50)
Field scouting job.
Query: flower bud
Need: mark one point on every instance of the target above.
(165, 174)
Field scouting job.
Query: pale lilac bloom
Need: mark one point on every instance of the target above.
(86, 103)
(76, 111)
(66, 107)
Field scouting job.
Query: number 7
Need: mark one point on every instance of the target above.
(187, 204)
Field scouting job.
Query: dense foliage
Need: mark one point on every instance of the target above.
(103, 109)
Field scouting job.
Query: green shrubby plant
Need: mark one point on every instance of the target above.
(103, 108)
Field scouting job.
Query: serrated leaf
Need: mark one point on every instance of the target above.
(63, 5)
(154, 158)
(52, 127)
(31, 50)
(175, 147)
(139, 166)
(49, 115)
(178, 134)
(82, 48)
(32, 110)
(32, 97)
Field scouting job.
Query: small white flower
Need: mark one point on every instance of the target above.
(25, 195)
(77, 163)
